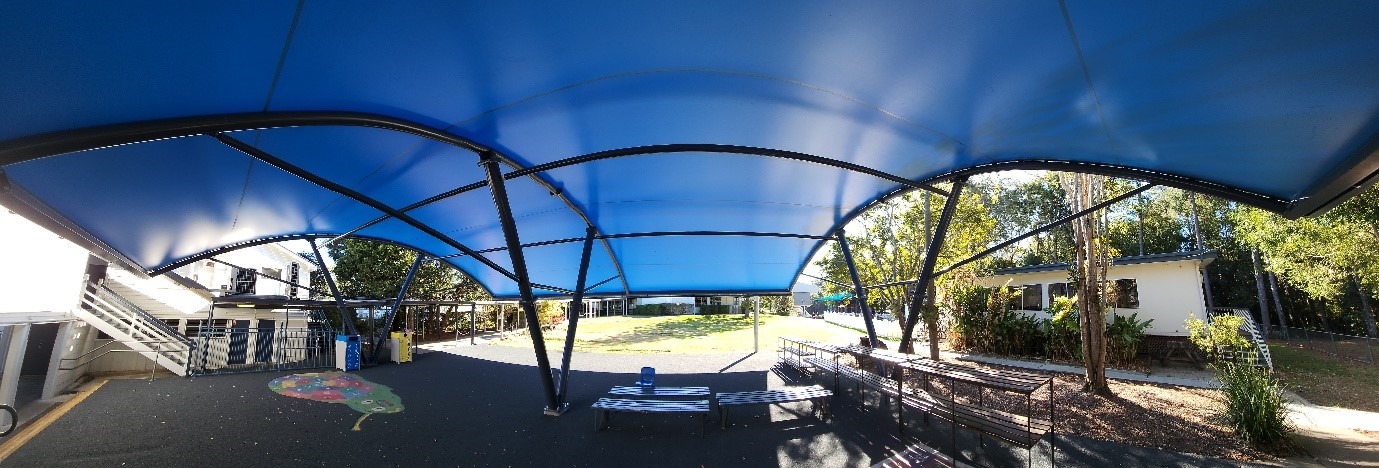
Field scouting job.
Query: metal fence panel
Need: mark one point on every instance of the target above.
(227, 350)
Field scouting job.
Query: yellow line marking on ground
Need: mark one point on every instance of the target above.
(29, 431)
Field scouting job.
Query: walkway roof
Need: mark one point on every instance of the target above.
(165, 132)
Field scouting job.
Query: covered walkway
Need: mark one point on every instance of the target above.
(462, 408)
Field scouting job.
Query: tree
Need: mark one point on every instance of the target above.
(376, 270)
(1085, 190)
(890, 246)
(1323, 256)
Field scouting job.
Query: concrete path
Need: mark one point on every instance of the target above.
(1328, 436)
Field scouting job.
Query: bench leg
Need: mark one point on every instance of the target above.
(702, 417)
(723, 416)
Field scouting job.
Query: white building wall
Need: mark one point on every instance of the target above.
(1169, 292)
(39, 271)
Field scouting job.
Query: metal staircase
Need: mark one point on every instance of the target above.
(1250, 332)
(132, 326)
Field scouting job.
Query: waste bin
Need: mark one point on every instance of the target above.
(347, 352)
(401, 343)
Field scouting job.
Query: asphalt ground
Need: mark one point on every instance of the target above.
(481, 406)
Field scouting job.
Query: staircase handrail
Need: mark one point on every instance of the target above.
(105, 293)
(108, 343)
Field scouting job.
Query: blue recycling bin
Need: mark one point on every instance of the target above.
(648, 377)
(347, 352)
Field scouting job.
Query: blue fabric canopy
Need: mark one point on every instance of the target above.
(751, 131)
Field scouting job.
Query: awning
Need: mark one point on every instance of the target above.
(713, 146)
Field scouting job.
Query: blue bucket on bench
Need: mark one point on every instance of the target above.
(648, 377)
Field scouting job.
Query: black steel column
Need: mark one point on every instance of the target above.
(926, 272)
(496, 186)
(346, 323)
(388, 319)
(576, 304)
(861, 294)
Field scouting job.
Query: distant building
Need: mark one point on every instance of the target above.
(1164, 287)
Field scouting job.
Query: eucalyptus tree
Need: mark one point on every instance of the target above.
(1325, 255)
(1089, 271)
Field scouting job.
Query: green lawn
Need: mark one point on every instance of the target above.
(689, 334)
(1327, 380)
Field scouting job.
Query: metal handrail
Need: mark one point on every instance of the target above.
(107, 294)
(157, 352)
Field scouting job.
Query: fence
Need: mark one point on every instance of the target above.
(1354, 348)
(888, 329)
(225, 350)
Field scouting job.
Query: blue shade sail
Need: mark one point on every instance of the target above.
(1274, 104)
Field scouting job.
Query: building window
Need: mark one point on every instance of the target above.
(1057, 290)
(1127, 294)
(273, 273)
(1033, 297)
(244, 281)
(294, 276)
(1027, 297)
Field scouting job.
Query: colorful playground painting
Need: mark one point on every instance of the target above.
(338, 387)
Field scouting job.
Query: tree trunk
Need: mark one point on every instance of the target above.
(931, 321)
(1081, 188)
(1364, 307)
(1278, 305)
(1259, 288)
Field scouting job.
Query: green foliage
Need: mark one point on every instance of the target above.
(376, 270)
(982, 322)
(1125, 334)
(1063, 330)
(720, 309)
(1255, 405)
(659, 309)
(1219, 339)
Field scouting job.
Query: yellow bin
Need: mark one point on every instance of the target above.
(402, 347)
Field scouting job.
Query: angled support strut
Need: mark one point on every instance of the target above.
(388, 320)
(576, 308)
(857, 287)
(926, 272)
(498, 188)
(346, 324)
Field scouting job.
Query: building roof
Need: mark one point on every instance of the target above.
(1205, 256)
(712, 146)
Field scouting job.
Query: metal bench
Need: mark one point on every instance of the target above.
(660, 392)
(604, 406)
(819, 396)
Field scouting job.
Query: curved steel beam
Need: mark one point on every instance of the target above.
(631, 235)
(274, 239)
(50, 144)
(1155, 177)
(322, 182)
(722, 149)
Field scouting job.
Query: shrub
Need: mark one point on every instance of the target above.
(1255, 405)
(982, 321)
(1124, 334)
(714, 309)
(1221, 338)
(1063, 330)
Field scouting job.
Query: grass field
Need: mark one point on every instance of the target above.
(689, 334)
(1327, 380)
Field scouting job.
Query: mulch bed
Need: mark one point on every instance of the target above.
(1166, 417)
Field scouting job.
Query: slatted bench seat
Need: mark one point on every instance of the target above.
(660, 392)
(818, 395)
(604, 406)
(1013, 428)
(1017, 429)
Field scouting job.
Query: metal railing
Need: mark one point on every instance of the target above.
(227, 350)
(1350, 347)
